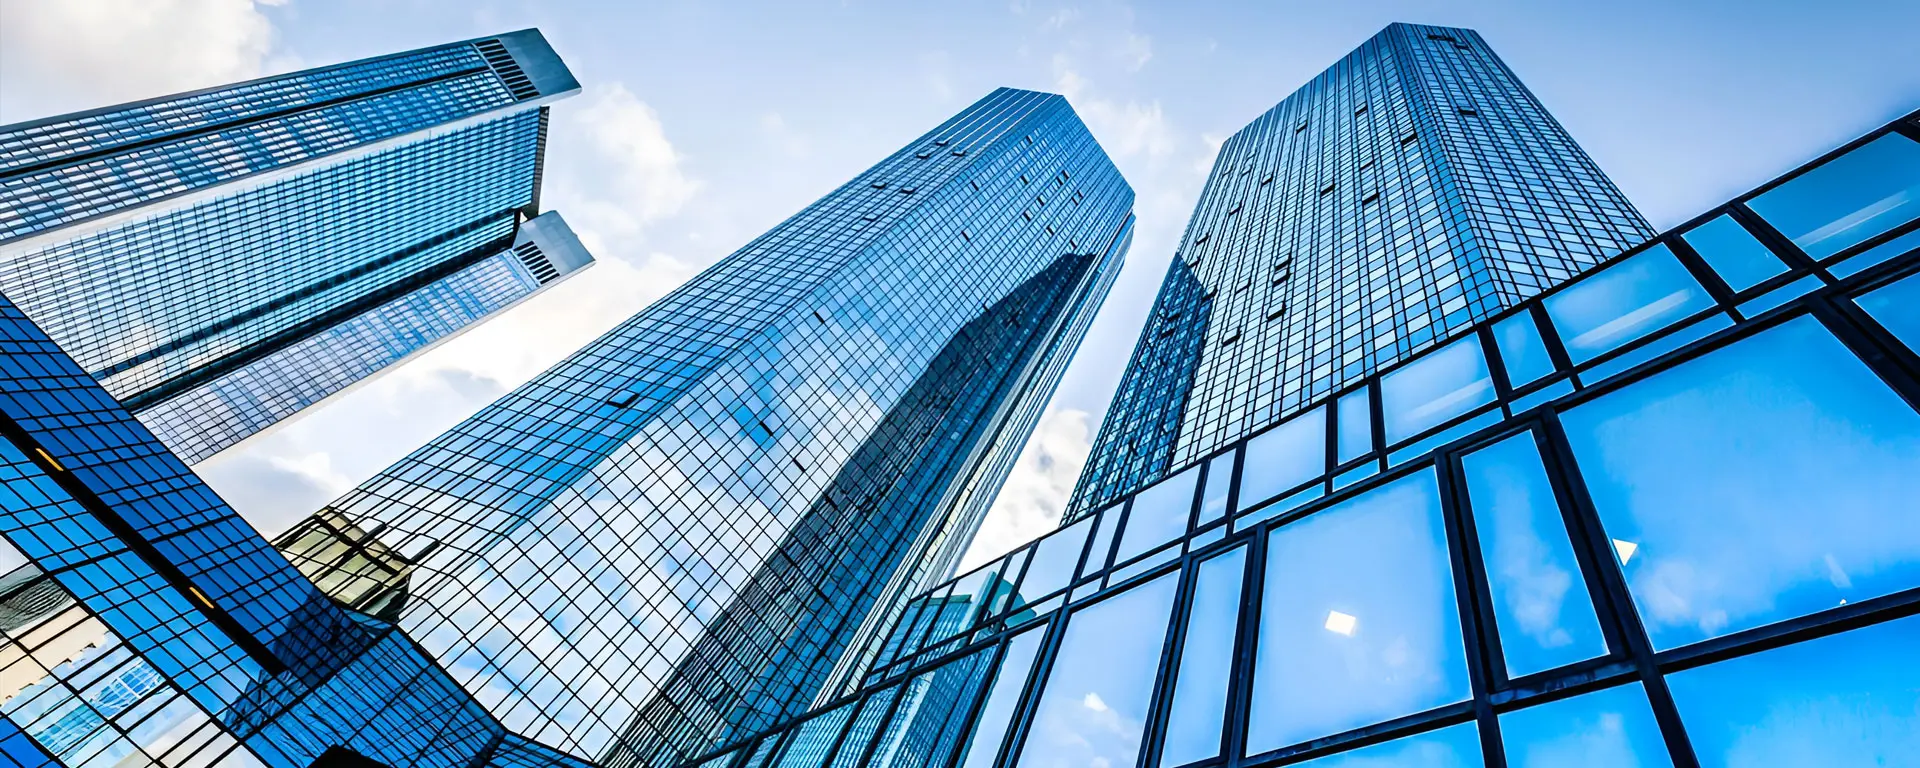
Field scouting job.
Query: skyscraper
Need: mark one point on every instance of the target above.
(1414, 188)
(1658, 513)
(202, 254)
(670, 537)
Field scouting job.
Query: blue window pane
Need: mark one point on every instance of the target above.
(1613, 728)
(1733, 252)
(1521, 349)
(1443, 384)
(1093, 708)
(1159, 514)
(997, 712)
(865, 726)
(808, 746)
(1763, 481)
(933, 708)
(1284, 457)
(1054, 559)
(1358, 620)
(1897, 307)
(1199, 708)
(1624, 302)
(1456, 746)
(1102, 545)
(1848, 199)
(1540, 601)
(1356, 424)
(1850, 699)
(1213, 503)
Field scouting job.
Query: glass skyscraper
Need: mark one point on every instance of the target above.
(1657, 512)
(669, 538)
(201, 254)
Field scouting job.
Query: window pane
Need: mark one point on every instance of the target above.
(808, 747)
(1613, 728)
(1897, 307)
(1733, 252)
(1766, 480)
(1219, 480)
(934, 705)
(1540, 601)
(1521, 349)
(1054, 559)
(996, 713)
(1437, 387)
(1358, 621)
(1159, 514)
(1356, 424)
(1849, 199)
(1102, 540)
(1455, 746)
(1094, 706)
(1626, 301)
(1199, 708)
(865, 725)
(1284, 457)
(1848, 699)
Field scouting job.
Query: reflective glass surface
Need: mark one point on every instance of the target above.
(1455, 746)
(1358, 620)
(1846, 700)
(1540, 601)
(1284, 457)
(807, 747)
(1159, 514)
(1356, 424)
(1093, 708)
(1198, 710)
(1896, 306)
(1213, 502)
(1626, 301)
(1848, 199)
(996, 713)
(1754, 484)
(1054, 560)
(1733, 253)
(1611, 728)
(934, 705)
(1521, 350)
(1443, 384)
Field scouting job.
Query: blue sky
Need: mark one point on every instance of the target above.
(703, 124)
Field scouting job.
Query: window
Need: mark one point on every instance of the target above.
(1521, 350)
(809, 745)
(1284, 457)
(1356, 424)
(935, 709)
(1753, 484)
(1213, 503)
(1630, 299)
(1435, 388)
(1054, 560)
(1159, 514)
(1733, 252)
(1455, 746)
(1897, 308)
(1612, 727)
(1093, 708)
(1358, 621)
(997, 712)
(1849, 199)
(1198, 710)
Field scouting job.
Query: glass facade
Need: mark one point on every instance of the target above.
(198, 253)
(1410, 191)
(668, 539)
(1690, 544)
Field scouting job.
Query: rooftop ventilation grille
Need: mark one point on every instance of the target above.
(536, 262)
(507, 69)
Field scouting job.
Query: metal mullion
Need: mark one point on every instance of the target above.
(1908, 130)
(1485, 668)
(1600, 596)
(1715, 285)
(1496, 365)
(1240, 680)
(1880, 350)
(1027, 700)
(1166, 674)
(1824, 623)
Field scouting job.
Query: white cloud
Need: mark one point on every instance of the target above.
(1037, 489)
(1061, 18)
(66, 55)
(1136, 50)
(1124, 129)
(782, 136)
(612, 171)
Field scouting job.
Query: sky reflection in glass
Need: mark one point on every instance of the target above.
(1456, 746)
(1159, 514)
(1769, 479)
(1435, 388)
(1734, 253)
(1054, 560)
(1540, 601)
(1094, 706)
(1897, 307)
(1628, 300)
(1358, 620)
(1611, 728)
(1849, 199)
(997, 712)
(1199, 706)
(1522, 350)
(1284, 457)
(1213, 504)
(1356, 424)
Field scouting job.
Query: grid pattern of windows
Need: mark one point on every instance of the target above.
(576, 540)
(1608, 560)
(1412, 189)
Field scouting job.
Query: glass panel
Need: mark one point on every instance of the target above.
(1219, 479)
(1733, 252)
(1094, 706)
(1456, 746)
(1848, 199)
(1540, 601)
(1284, 457)
(1754, 484)
(809, 745)
(865, 725)
(1102, 541)
(1897, 308)
(1522, 350)
(1626, 301)
(933, 708)
(1849, 699)
(1054, 559)
(1356, 424)
(1199, 706)
(997, 712)
(1159, 514)
(1861, 261)
(1613, 728)
(1443, 384)
(1358, 621)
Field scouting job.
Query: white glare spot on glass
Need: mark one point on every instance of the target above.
(1626, 550)
(1628, 300)
(1340, 623)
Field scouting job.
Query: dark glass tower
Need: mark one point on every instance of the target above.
(200, 254)
(1411, 190)
(669, 538)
